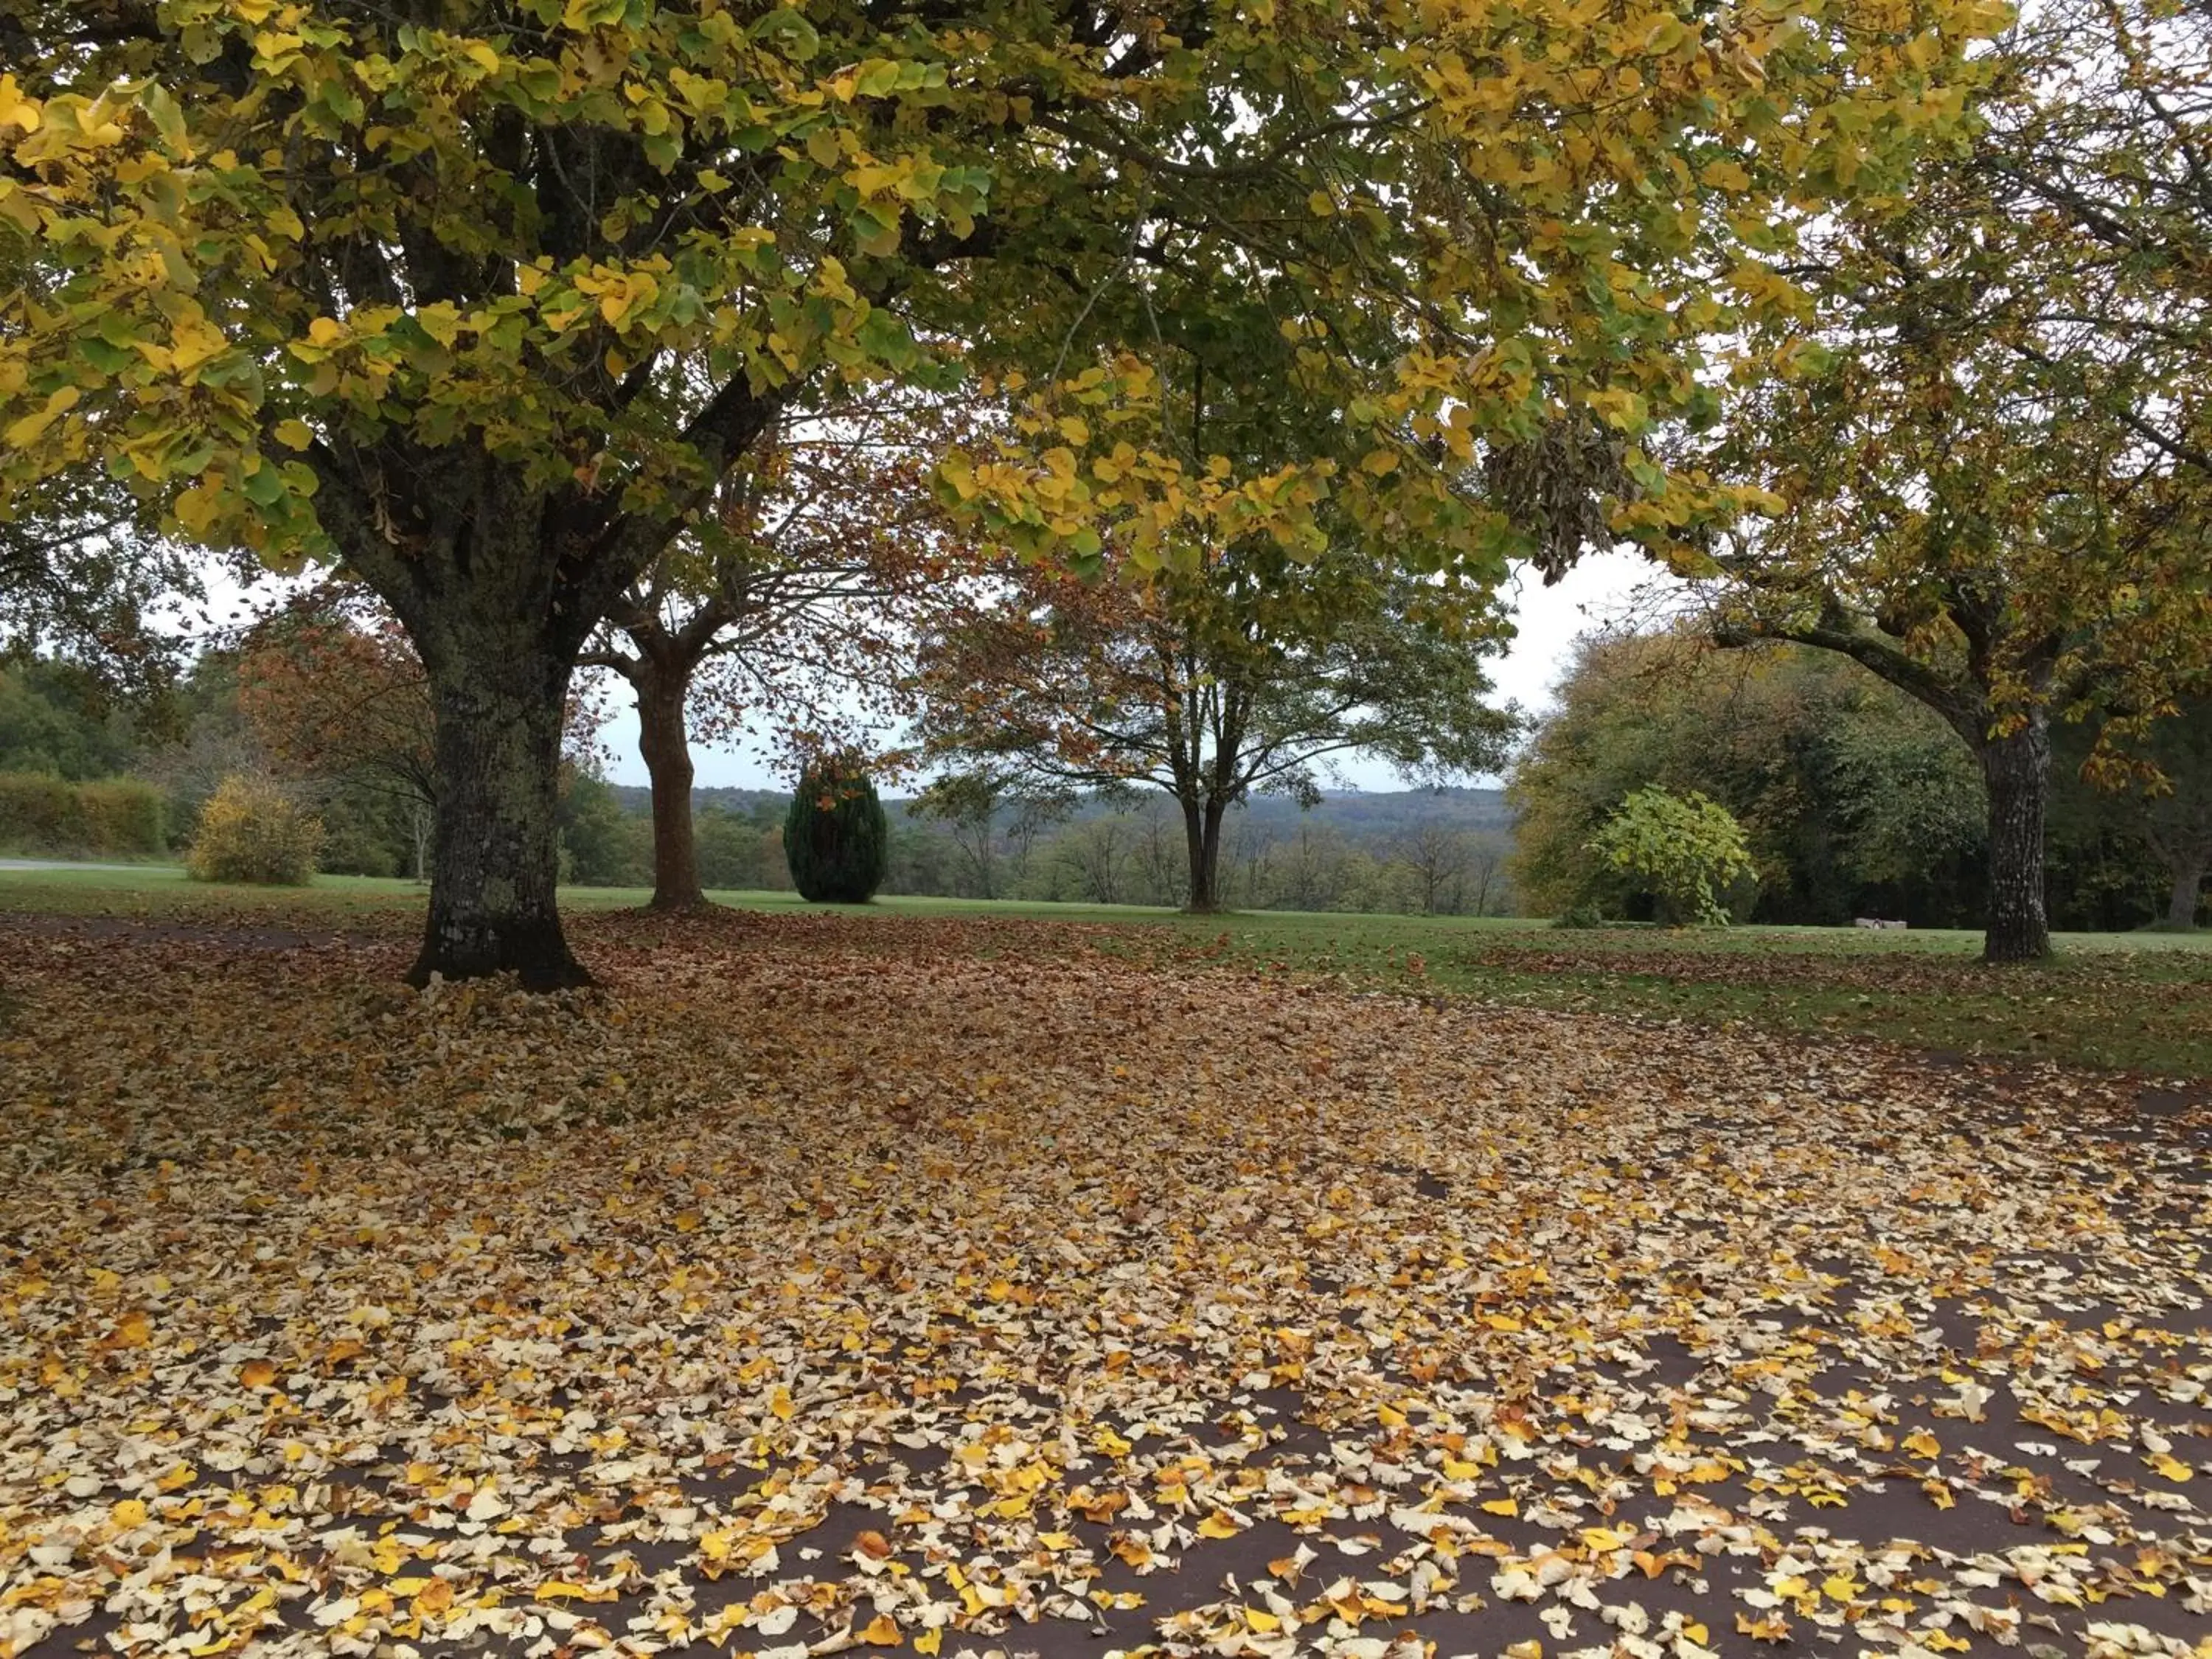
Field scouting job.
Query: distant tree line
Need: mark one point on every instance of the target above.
(319, 709)
(1856, 800)
(1433, 852)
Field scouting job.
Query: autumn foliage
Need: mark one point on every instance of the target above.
(39, 813)
(252, 831)
(979, 1288)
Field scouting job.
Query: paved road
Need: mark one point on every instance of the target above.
(72, 863)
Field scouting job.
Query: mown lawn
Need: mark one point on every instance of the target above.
(2135, 1001)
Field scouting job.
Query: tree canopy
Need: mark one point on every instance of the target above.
(1982, 415)
(1247, 675)
(482, 298)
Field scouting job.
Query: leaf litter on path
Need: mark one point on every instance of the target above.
(818, 1288)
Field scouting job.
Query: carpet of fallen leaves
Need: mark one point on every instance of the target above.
(813, 1288)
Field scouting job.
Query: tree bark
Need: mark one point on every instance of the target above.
(2016, 769)
(2188, 872)
(494, 852)
(667, 749)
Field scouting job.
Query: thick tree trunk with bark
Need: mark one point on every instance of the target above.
(499, 696)
(667, 748)
(2016, 770)
(1201, 821)
(499, 579)
(2188, 872)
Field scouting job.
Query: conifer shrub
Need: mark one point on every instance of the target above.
(250, 830)
(836, 837)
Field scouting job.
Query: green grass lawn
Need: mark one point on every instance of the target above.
(2134, 1000)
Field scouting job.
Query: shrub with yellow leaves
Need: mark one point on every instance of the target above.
(252, 831)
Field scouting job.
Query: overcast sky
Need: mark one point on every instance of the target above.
(1548, 619)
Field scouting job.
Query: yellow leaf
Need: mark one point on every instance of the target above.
(192, 342)
(133, 1330)
(1265, 1623)
(687, 1221)
(257, 1373)
(2170, 1466)
(1839, 1587)
(563, 1590)
(929, 1641)
(1920, 1444)
(883, 1632)
(779, 1403)
(25, 430)
(1507, 1506)
(130, 1513)
(1218, 1525)
(16, 109)
(294, 434)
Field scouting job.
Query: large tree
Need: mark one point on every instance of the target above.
(1984, 432)
(789, 606)
(482, 298)
(1250, 674)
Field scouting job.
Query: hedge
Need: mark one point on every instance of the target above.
(42, 814)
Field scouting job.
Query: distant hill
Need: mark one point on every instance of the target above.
(1358, 813)
(636, 799)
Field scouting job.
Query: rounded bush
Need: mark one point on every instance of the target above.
(251, 831)
(835, 838)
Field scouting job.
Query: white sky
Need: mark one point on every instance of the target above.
(1597, 590)
(1600, 589)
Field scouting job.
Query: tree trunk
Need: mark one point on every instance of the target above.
(2188, 870)
(667, 749)
(498, 695)
(1201, 823)
(2016, 769)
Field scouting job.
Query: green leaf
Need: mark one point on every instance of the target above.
(787, 31)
